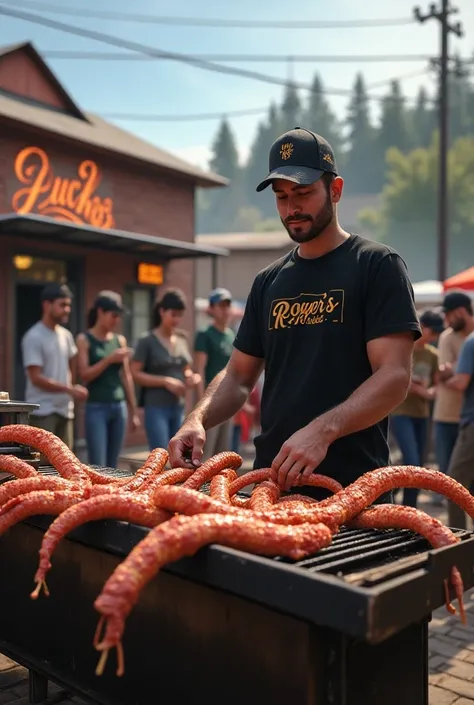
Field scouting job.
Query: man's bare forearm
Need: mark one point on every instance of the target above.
(375, 399)
(221, 401)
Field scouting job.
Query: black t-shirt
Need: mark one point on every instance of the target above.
(311, 319)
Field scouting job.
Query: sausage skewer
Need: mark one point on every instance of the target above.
(135, 508)
(16, 466)
(391, 516)
(220, 485)
(24, 485)
(124, 507)
(52, 447)
(212, 467)
(183, 536)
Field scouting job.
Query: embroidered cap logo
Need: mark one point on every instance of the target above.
(286, 150)
(328, 158)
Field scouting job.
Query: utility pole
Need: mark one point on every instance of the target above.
(442, 15)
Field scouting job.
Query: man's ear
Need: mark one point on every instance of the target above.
(337, 186)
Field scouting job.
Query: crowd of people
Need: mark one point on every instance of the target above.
(162, 373)
(440, 401)
(165, 376)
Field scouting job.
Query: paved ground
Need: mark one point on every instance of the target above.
(451, 646)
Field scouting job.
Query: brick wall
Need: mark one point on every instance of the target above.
(145, 201)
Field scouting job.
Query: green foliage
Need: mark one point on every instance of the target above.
(395, 155)
(407, 219)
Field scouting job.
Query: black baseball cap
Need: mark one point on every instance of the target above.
(432, 320)
(109, 301)
(456, 299)
(300, 156)
(54, 291)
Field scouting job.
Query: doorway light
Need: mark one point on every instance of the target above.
(22, 262)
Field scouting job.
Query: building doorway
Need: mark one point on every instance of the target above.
(31, 275)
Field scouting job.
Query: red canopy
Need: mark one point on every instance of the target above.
(462, 280)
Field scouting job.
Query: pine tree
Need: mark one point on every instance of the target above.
(225, 158)
(223, 203)
(319, 118)
(461, 103)
(257, 164)
(393, 130)
(290, 109)
(359, 173)
(423, 120)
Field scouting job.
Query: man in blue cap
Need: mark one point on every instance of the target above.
(213, 348)
(333, 323)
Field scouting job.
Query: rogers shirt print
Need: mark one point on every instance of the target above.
(307, 310)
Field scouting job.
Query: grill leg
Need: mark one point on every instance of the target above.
(37, 687)
(393, 672)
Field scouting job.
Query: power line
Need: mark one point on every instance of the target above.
(174, 56)
(211, 22)
(239, 58)
(188, 117)
(195, 117)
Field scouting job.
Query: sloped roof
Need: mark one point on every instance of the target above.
(92, 130)
(42, 66)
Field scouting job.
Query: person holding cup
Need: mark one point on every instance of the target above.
(104, 367)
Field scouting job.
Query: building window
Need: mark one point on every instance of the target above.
(139, 302)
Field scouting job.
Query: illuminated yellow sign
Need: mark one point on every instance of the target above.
(150, 274)
(72, 199)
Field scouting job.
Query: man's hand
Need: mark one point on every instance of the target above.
(79, 393)
(445, 371)
(302, 453)
(186, 447)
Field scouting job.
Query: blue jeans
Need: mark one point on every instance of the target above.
(161, 424)
(105, 425)
(410, 433)
(445, 437)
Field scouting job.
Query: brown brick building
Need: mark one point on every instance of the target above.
(83, 200)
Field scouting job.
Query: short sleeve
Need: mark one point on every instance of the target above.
(201, 344)
(184, 349)
(140, 353)
(446, 352)
(390, 302)
(249, 335)
(465, 364)
(71, 346)
(31, 350)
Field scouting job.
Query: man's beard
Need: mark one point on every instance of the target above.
(318, 223)
(458, 325)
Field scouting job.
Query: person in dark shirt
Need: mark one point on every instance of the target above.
(333, 323)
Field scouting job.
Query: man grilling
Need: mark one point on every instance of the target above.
(333, 324)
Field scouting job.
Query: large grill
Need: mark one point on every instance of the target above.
(345, 627)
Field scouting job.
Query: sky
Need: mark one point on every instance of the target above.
(171, 88)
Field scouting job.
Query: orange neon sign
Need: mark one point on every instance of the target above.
(150, 274)
(72, 199)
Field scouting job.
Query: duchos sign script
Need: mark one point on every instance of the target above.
(74, 199)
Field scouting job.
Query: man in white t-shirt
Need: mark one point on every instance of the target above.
(457, 307)
(49, 353)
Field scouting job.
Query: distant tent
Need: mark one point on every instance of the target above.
(463, 280)
(428, 292)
